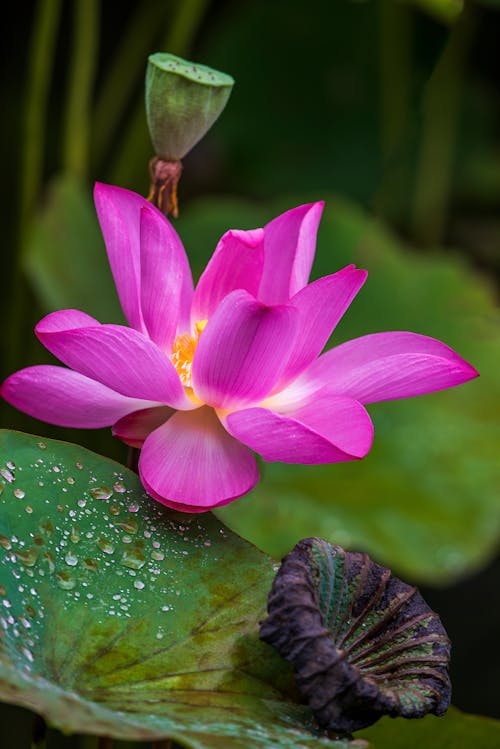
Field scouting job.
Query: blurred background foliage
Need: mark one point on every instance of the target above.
(390, 111)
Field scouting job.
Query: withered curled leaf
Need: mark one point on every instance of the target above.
(363, 643)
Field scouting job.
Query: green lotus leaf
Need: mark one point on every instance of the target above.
(119, 617)
(456, 730)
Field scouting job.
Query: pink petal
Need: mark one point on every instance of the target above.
(68, 319)
(327, 430)
(290, 243)
(386, 366)
(119, 213)
(119, 357)
(242, 351)
(135, 427)
(166, 282)
(236, 264)
(320, 306)
(191, 463)
(66, 398)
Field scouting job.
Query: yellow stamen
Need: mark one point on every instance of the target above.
(183, 353)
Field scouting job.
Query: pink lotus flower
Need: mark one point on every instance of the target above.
(204, 377)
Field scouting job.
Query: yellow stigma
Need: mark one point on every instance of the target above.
(183, 353)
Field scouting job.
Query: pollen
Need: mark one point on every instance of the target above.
(183, 353)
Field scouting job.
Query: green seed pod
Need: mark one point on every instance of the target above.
(183, 100)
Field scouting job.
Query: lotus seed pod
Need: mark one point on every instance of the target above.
(363, 643)
(183, 100)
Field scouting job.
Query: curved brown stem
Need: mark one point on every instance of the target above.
(165, 175)
(133, 459)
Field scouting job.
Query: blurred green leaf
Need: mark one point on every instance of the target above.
(425, 501)
(456, 730)
(65, 256)
(122, 618)
(444, 10)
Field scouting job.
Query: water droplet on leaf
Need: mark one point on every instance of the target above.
(65, 580)
(106, 546)
(101, 492)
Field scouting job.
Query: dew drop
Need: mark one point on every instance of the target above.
(3, 590)
(31, 612)
(1, 487)
(27, 653)
(79, 466)
(106, 546)
(139, 584)
(119, 487)
(71, 559)
(27, 556)
(65, 580)
(90, 564)
(82, 502)
(10, 464)
(133, 558)
(56, 469)
(134, 507)
(158, 555)
(5, 543)
(129, 525)
(7, 475)
(101, 492)
(48, 558)
(75, 534)
(28, 509)
(19, 493)
(127, 539)
(42, 445)
(114, 510)
(46, 526)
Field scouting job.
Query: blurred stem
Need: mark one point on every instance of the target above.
(184, 26)
(395, 73)
(136, 147)
(81, 77)
(395, 37)
(39, 73)
(123, 74)
(38, 733)
(133, 459)
(440, 120)
(165, 744)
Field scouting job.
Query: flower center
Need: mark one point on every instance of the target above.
(183, 353)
